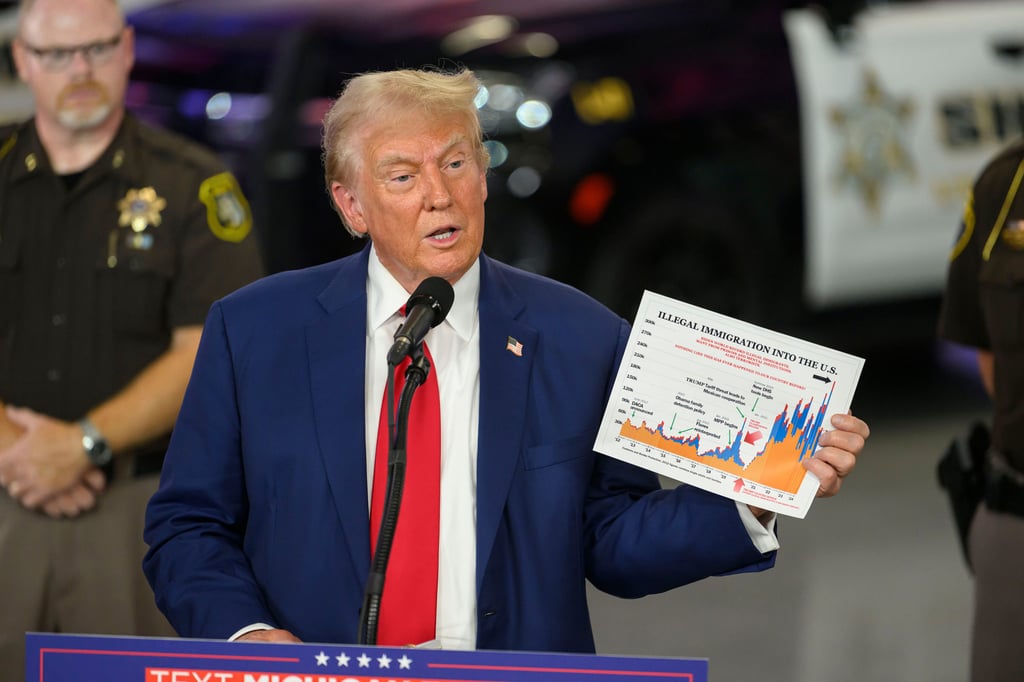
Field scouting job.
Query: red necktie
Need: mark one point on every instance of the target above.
(408, 607)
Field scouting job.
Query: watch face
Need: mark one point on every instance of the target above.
(96, 448)
(98, 451)
(101, 456)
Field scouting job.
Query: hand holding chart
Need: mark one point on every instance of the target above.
(725, 405)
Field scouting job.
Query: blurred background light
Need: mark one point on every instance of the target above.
(505, 97)
(481, 31)
(609, 99)
(218, 106)
(482, 95)
(498, 152)
(523, 182)
(540, 45)
(533, 114)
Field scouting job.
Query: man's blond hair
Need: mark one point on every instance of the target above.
(377, 96)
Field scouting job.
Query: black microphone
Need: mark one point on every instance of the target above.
(426, 308)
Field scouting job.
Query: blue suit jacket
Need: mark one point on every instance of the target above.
(261, 514)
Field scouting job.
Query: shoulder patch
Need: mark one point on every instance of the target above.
(227, 210)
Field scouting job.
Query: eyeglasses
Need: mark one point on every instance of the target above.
(59, 58)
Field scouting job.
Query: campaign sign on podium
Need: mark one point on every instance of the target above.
(73, 658)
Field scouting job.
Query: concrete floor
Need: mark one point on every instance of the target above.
(870, 587)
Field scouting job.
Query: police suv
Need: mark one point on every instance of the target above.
(778, 164)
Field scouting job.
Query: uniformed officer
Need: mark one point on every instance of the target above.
(984, 309)
(115, 238)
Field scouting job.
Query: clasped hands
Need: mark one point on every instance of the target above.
(43, 466)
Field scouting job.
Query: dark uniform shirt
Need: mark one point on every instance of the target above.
(95, 274)
(984, 303)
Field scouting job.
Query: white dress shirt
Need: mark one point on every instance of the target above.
(455, 347)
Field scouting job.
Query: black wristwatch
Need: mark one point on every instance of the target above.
(95, 445)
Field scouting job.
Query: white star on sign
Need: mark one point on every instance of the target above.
(404, 662)
(364, 661)
(342, 660)
(321, 658)
(384, 661)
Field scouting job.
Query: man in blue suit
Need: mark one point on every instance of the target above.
(260, 528)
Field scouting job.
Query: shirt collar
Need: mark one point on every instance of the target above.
(31, 159)
(384, 296)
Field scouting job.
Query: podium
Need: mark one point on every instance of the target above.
(72, 658)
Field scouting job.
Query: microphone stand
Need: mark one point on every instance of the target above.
(415, 376)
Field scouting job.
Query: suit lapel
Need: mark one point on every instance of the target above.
(504, 379)
(337, 362)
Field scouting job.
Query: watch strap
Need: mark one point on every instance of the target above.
(95, 445)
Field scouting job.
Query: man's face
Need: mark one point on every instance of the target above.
(419, 192)
(76, 89)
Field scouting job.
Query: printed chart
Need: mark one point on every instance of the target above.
(724, 405)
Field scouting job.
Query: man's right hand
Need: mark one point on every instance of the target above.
(79, 498)
(9, 431)
(279, 636)
(70, 502)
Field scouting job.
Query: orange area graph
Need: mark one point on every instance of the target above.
(776, 466)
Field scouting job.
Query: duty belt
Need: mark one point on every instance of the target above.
(1004, 486)
(135, 464)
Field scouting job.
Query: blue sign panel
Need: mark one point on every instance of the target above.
(72, 658)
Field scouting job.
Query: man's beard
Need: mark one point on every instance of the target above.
(78, 118)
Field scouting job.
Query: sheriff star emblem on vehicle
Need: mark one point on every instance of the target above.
(873, 149)
(140, 209)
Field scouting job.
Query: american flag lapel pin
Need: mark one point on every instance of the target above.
(514, 346)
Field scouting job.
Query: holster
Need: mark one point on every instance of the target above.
(961, 471)
(1004, 486)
